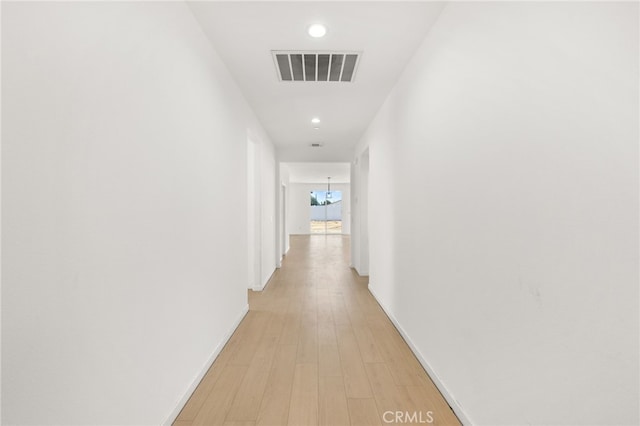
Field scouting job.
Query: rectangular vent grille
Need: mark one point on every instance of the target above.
(316, 66)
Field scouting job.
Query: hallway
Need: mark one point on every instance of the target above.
(315, 348)
(157, 157)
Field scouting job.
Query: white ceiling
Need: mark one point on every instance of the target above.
(245, 33)
(318, 172)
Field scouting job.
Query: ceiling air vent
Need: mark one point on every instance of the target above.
(316, 145)
(316, 66)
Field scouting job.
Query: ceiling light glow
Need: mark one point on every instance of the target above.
(317, 30)
(315, 120)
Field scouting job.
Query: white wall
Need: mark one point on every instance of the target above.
(299, 209)
(508, 250)
(124, 138)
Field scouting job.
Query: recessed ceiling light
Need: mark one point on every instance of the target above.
(317, 30)
(315, 120)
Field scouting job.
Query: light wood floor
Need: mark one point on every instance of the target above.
(315, 349)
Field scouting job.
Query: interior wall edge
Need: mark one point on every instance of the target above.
(446, 393)
(264, 284)
(205, 368)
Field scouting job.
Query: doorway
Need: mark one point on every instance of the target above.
(253, 214)
(325, 212)
(284, 243)
(360, 220)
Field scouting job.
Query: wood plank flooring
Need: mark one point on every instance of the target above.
(316, 349)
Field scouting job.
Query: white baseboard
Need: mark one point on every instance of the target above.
(282, 256)
(261, 287)
(176, 411)
(453, 403)
(363, 273)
